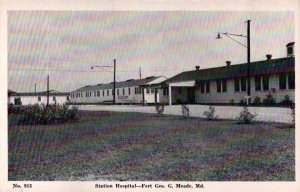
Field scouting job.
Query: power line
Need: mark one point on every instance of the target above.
(84, 71)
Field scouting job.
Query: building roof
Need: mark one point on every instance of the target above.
(42, 93)
(290, 44)
(121, 84)
(265, 67)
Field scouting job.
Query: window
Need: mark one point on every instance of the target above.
(39, 98)
(202, 87)
(103, 93)
(54, 98)
(243, 84)
(291, 80)
(265, 80)
(94, 93)
(218, 86)
(129, 91)
(152, 91)
(165, 91)
(148, 91)
(123, 91)
(207, 86)
(180, 90)
(224, 85)
(290, 50)
(257, 83)
(282, 81)
(107, 92)
(236, 85)
(68, 98)
(118, 92)
(98, 93)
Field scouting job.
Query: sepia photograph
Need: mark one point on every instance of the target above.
(133, 96)
(149, 96)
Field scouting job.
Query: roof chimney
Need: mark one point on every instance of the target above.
(228, 63)
(197, 67)
(290, 49)
(269, 56)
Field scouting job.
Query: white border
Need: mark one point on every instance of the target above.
(155, 5)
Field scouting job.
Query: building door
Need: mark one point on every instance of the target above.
(191, 95)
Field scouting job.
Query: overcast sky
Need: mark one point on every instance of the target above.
(66, 44)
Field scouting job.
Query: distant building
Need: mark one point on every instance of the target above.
(27, 98)
(228, 84)
(131, 91)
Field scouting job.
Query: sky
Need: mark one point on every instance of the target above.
(65, 44)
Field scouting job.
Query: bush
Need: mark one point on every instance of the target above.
(210, 114)
(293, 112)
(185, 110)
(269, 100)
(51, 114)
(257, 101)
(245, 116)
(159, 107)
(243, 102)
(286, 100)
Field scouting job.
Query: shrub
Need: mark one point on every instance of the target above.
(293, 112)
(245, 116)
(243, 102)
(286, 100)
(269, 100)
(51, 114)
(257, 101)
(159, 107)
(231, 102)
(185, 110)
(210, 114)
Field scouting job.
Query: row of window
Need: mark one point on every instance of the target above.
(286, 81)
(53, 98)
(102, 93)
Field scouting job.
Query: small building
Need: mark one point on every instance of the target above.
(131, 91)
(228, 84)
(30, 98)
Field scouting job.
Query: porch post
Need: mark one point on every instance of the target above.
(155, 95)
(170, 95)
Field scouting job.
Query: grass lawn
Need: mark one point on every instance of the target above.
(136, 146)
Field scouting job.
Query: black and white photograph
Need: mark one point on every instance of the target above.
(177, 97)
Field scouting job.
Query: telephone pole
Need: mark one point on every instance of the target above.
(114, 81)
(47, 90)
(140, 73)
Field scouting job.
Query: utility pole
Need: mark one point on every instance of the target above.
(114, 81)
(229, 35)
(248, 59)
(47, 90)
(35, 88)
(140, 73)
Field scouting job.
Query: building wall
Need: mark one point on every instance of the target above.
(126, 98)
(30, 100)
(215, 97)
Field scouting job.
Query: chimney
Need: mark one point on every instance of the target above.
(197, 67)
(228, 63)
(269, 56)
(290, 49)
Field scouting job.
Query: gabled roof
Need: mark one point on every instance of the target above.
(265, 67)
(127, 83)
(42, 93)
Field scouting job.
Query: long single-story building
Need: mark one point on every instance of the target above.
(228, 84)
(30, 98)
(131, 91)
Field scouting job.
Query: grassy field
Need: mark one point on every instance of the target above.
(135, 146)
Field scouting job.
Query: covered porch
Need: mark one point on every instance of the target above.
(181, 92)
